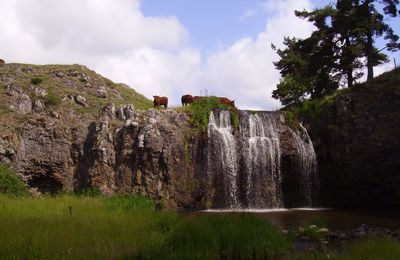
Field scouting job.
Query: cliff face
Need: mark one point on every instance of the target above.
(357, 141)
(66, 128)
(149, 153)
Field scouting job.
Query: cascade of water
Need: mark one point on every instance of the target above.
(262, 162)
(220, 133)
(307, 162)
(244, 166)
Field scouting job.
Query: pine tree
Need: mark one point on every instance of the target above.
(336, 51)
(371, 26)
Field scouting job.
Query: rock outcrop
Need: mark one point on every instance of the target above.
(71, 132)
(357, 142)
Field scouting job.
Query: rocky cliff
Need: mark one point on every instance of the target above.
(356, 134)
(65, 128)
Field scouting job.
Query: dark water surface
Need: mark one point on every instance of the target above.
(336, 219)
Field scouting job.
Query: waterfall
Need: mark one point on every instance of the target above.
(262, 149)
(307, 163)
(220, 131)
(245, 163)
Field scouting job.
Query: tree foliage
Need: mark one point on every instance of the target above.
(336, 53)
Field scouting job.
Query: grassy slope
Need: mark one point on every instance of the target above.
(23, 73)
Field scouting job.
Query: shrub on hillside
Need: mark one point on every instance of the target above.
(201, 109)
(10, 183)
(52, 98)
(36, 81)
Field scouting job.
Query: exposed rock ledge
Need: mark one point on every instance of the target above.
(151, 152)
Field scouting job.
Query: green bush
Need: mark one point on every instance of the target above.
(36, 80)
(201, 109)
(52, 98)
(291, 119)
(10, 183)
(235, 119)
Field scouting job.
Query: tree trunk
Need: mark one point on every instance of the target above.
(350, 77)
(370, 62)
(350, 60)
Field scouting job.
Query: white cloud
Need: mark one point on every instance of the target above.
(248, 14)
(245, 71)
(149, 53)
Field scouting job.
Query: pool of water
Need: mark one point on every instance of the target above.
(337, 219)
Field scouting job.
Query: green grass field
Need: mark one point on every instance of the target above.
(121, 227)
(127, 227)
(89, 226)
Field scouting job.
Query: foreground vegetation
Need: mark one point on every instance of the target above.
(71, 226)
(89, 226)
(127, 227)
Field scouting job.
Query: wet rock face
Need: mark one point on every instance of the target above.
(258, 162)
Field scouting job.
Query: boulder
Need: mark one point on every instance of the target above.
(108, 110)
(81, 100)
(101, 92)
(38, 106)
(40, 92)
(20, 102)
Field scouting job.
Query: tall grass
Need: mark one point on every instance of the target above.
(367, 249)
(44, 228)
(376, 248)
(241, 236)
(201, 109)
(126, 227)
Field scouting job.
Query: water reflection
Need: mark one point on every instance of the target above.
(337, 219)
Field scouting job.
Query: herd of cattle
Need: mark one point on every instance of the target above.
(189, 99)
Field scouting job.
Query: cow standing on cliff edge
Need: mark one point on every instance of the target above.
(227, 101)
(187, 100)
(160, 101)
(2, 62)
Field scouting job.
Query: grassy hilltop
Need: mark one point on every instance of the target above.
(54, 88)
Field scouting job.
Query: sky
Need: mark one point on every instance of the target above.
(162, 47)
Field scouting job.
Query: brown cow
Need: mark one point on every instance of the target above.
(187, 100)
(227, 101)
(2, 62)
(160, 101)
(197, 98)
